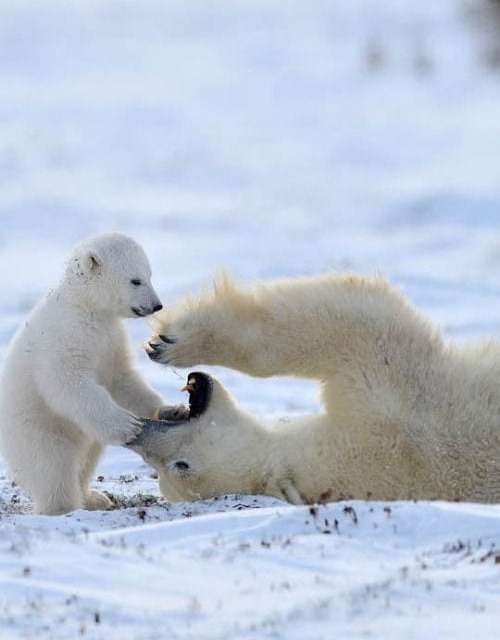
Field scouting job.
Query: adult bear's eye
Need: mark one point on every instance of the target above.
(181, 466)
(136, 282)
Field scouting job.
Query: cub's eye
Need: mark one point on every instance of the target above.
(136, 282)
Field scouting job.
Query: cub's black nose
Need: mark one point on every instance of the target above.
(158, 307)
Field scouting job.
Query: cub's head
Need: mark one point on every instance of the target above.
(204, 450)
(112, 274)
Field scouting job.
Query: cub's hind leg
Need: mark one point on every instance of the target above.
(53, 481)
(94, 500)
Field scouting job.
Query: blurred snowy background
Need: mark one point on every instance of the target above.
(272, 138)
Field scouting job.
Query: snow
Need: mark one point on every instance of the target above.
(272, 139)
(253, 568)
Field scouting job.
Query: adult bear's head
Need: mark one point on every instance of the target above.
(111, 273)
(208, 449)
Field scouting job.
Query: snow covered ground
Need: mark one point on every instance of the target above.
(274, 139)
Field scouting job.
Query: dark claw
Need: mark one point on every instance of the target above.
(167, 339)
(155, 355)
(174, 414)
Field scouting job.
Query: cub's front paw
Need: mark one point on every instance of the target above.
(124, 429)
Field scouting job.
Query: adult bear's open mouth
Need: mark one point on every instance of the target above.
(199, 386)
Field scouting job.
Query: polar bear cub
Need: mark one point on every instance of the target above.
(69, 387)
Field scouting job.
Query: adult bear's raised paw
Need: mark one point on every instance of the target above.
(184, 347)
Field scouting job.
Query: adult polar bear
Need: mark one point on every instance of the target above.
(406, 416)
(68, 385)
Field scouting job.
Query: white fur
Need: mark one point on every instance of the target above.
(406, 416)
(69, 386)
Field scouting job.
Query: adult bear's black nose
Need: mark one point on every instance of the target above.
(158, 307)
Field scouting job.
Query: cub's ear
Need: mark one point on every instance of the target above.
(87, 264)
(94, 262)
